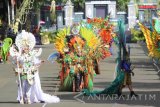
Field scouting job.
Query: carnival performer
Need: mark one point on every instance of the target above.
(152, 37)
(27, 63)
(80, 67)
(76, 46)
(128, 70)
(74, 60)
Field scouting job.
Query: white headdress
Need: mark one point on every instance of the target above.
(25, 39)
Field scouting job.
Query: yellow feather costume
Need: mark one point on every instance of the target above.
(152, 39)
(91, 39)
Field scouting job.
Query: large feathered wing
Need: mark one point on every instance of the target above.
(59, 40)
(151, 41)
(90, 37)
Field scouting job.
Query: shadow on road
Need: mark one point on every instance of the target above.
(144, 99)
(9, 102)
(137, 85)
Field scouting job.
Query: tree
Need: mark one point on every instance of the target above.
(78, 4)
(36, 9)
(122, 5)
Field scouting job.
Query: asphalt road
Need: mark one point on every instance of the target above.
(146, 83)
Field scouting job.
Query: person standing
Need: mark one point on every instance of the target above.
(126, 68)
(27, 63)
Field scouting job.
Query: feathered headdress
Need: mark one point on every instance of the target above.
(25, 39)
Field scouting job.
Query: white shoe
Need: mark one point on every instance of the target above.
(21, 101)
(28, 101)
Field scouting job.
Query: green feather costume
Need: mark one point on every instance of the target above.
(5, 48)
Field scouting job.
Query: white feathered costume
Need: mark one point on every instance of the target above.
(29, 86)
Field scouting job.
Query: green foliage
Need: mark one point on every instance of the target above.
(137, 35)
(122, 5)
(50, 35)
(78, 4)
(37, 4)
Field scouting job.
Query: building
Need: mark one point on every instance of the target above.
(147, 10)
(100, 8)
(132, 14)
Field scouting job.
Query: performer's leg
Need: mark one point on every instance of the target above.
(85, 80)
(77, 82)
(96, 66)
(132, 93)
(120, 90)
(21, 91)
(129, 84)
(28, 92)
(26, 87)
(122, 85)
(82, 86)
(81, 75)
(23, 81)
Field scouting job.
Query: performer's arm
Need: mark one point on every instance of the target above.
(38, 62)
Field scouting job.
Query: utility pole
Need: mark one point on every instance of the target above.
(8, 7)
(12, 8)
